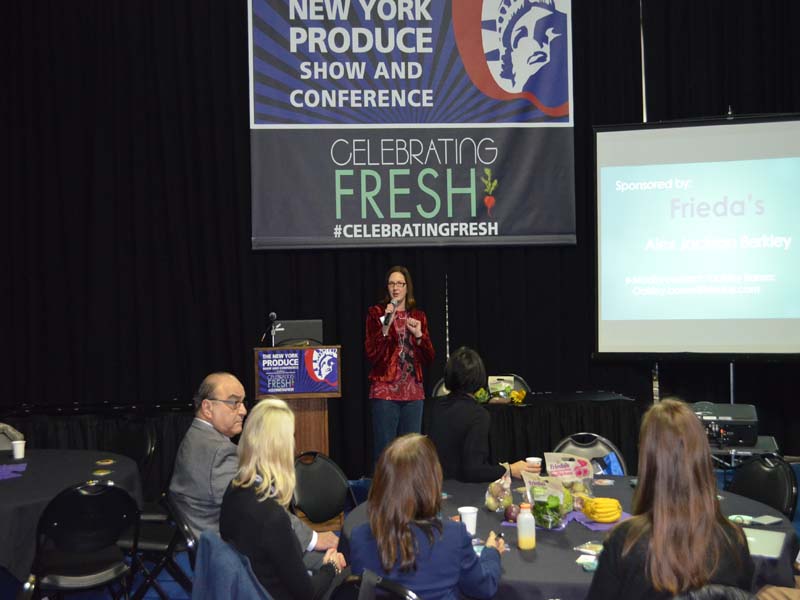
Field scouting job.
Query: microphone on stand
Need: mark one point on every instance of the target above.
(387, 318)
(272, 317)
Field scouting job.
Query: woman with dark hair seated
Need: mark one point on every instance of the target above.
(678, 540)
(405, 540)
(459, 426)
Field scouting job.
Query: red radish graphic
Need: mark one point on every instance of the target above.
(489, 185)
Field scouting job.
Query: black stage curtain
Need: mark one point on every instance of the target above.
(127, 247)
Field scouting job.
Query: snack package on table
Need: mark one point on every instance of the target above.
(547, 497)
(575, 474)
(567, 466)
(498, 495)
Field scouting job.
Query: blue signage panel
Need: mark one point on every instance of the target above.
(298, 371)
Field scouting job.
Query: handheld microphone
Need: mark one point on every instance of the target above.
(388, 317)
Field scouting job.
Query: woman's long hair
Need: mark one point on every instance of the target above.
(406, 490)
(266, 452)
(410, 300)
(675, 503)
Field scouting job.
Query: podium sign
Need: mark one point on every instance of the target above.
(310, 372)
(304, 376)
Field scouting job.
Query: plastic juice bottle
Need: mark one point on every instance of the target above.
(526, 528)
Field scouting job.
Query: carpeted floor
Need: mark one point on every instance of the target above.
(9, 586)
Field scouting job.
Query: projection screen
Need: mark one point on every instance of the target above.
(698, 228)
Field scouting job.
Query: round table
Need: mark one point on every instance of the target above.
(550, 570)
(48, 472)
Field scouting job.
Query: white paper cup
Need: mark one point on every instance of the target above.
(18, 448)
(534, 461)
(469, 517)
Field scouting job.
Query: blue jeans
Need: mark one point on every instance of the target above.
(392, 418)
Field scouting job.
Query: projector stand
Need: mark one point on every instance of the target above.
(656, 391)
(656, 383)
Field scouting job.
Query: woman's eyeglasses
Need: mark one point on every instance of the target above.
(399, 284)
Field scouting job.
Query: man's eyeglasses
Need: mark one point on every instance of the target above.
(232, 404)
(399, 284)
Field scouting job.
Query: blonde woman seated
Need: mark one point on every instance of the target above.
(254, 518)
(406, 542)
(677, 540)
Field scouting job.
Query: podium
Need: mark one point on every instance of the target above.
(305, 377)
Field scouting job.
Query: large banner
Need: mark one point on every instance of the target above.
(411, 122)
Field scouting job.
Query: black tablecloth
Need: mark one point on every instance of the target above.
(23, 499)
(550, 571)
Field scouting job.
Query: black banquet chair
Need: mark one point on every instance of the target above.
(370, 585)
(159, 544)
(439, 389)
(136, 438)
(76, 540)
(768, 479)
(591, 446)
(7, 435)
(519, 382)
(322, 491)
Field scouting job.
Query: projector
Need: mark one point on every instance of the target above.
(728, 424)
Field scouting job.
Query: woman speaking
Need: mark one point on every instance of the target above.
(398, 346)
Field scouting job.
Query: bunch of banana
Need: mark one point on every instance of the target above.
(602, 510)
(579, 499)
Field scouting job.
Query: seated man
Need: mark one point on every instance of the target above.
(207, 461)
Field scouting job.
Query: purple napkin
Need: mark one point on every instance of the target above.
(507, 524)
(572, 515)
(12, 471)
(594, 526)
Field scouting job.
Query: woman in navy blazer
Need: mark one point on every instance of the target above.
(405, 540)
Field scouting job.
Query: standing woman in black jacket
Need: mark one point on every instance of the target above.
(460, 426)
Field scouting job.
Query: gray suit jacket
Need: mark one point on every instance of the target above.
(205, 464)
